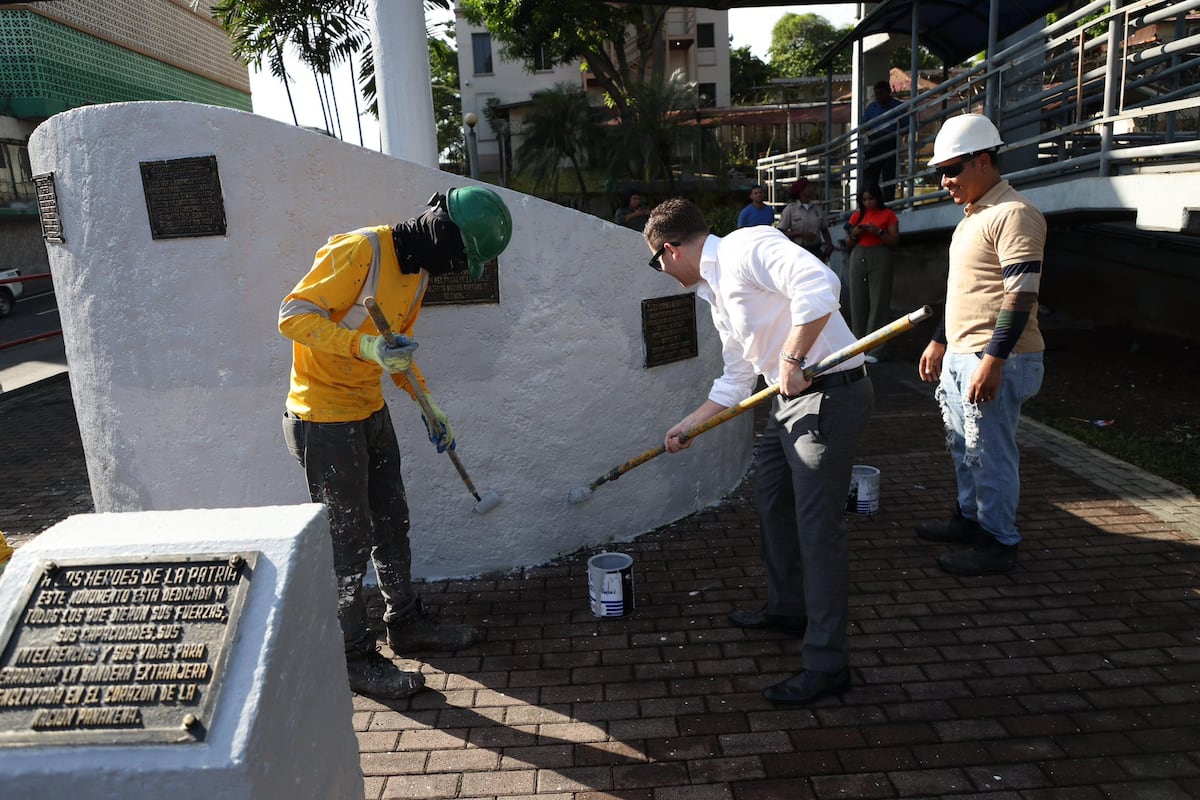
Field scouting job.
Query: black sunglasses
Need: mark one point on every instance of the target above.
(954, 170)
(656, 259)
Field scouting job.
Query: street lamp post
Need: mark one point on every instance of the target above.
(472, 145)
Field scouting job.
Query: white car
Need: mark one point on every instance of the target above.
(9, 292)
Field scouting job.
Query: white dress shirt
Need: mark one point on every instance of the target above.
(760, 284)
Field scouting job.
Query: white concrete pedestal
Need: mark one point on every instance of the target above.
(279, 721)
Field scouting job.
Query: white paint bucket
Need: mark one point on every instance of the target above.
(864, 490)
(610, 584)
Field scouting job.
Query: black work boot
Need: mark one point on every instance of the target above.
(956, 529)
(417, 630)
(985, 557)
(373, 674)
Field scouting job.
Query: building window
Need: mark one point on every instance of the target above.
(481, 48)
(708, 94)
(706, 35)
(541, 61)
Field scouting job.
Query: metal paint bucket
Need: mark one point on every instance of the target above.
(864, 490)
(610, 584)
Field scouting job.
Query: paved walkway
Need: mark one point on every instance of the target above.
(1075, 677)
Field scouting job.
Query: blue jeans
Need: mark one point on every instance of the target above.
(982, 439)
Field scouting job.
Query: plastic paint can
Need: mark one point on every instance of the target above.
(864, 490)
(610, 584)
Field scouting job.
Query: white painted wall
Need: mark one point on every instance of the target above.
(281, 727)
(179, 374)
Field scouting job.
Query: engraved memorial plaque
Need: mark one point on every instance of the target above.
(183, 197)
(47, 204)
(669, 329)
(121, 652)
(457, 289)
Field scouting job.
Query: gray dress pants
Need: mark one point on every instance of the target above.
(802, 481)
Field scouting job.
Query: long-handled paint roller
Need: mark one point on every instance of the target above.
(907, 322)
(484, 502)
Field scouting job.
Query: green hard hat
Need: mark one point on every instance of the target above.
(484, 222)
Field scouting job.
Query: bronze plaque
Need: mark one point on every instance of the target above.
(183, 197)
(47, 204)
(669, 329)
(121, 652)
(457, 289)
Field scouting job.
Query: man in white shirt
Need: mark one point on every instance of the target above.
(774, 306)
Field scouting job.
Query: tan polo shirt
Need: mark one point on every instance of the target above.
(1001, 229)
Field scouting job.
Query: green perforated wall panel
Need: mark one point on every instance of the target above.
(40, 58)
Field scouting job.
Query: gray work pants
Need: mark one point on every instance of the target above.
(803, 479)
(354, 469)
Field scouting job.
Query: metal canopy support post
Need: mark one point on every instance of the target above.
(1116, 39)
(991, 102)
(914, 77)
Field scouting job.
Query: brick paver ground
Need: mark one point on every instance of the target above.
(1075, 677)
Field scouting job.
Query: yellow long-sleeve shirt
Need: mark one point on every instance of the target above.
(325, 319)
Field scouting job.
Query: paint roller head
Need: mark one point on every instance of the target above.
(578, 494)
(487, 501)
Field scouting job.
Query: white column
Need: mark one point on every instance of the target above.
(402, 81)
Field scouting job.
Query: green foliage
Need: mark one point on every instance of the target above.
(650, 133)
(748, 75)
(557, 128)
(798, 42)
(902, 58)
(567, 31)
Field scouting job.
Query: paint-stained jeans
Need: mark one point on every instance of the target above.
(982, 438)
(354, 469)
(800, 489)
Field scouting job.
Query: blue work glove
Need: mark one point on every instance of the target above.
(392, 359)
(438, 428)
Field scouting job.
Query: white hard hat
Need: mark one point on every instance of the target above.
(962, 136)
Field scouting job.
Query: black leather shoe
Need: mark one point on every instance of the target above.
(956, 529)
(807, 686)
(761, 620)
(986, 557)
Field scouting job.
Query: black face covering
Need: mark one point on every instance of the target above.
(431, 241)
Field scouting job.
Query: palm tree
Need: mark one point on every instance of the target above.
(557, 128)
(650, 131)
(323, 32)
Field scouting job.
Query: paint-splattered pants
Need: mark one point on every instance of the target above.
(800, 487)
(354, 469)
(982, 438)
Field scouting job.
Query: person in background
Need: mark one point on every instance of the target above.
(633, 214)
(337, 425)
(774, 307)
(804, 222)
(873, 231)
(758, 212)
(882, 142)
(987, 355)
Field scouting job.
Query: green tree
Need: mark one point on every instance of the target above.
(650, 133)
(324, 33)
(567, 31)
(798, 41)
(748, 74)
(902, 58)
(557, 128)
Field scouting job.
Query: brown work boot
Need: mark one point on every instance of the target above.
(417, 631)
(373, 674)
(956, 529)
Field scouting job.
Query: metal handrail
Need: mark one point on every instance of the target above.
(1052, 103)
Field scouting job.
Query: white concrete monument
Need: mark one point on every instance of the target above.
(182, 228)
(188, 655)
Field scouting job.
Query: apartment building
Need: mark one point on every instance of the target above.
(697, 43)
